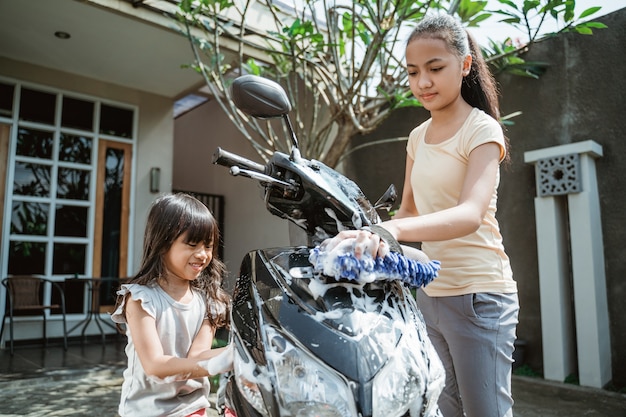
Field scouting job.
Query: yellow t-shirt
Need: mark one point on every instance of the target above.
(476, 262)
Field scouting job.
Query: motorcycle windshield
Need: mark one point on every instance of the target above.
(353, 328)
(327, 202)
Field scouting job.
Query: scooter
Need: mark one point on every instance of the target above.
(314, 340)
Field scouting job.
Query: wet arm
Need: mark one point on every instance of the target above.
(150, 351)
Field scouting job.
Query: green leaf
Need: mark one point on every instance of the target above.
(468, 8)
(407, 102)
(596, 25)
(583, 30)
(475, 21)
(512, 20)
(253, 68)
(509, 3)
(589, 12)
(530, 5)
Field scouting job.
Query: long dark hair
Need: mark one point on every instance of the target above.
(170, 216)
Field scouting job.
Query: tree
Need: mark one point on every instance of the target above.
(341, 61)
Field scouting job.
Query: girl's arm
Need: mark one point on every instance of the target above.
(457, 221)
(460, 220)
(150, 351)
(204, 339)
(201, 345)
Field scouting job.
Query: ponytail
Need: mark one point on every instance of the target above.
(479, 87)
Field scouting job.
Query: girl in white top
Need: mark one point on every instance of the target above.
(449, 204)
(171, 310)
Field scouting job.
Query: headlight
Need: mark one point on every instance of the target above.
(396, 386)
(400, 385)
(248, 381)
(306, 387)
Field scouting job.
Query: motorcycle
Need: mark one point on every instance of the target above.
(311, 339)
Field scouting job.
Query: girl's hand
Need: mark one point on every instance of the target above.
(220, 363)
(359, 242)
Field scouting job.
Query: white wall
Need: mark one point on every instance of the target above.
(248, 225)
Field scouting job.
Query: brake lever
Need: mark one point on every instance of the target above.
(266, 179)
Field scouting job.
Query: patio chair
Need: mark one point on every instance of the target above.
(25, 294)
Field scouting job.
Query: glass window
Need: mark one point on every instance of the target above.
(75, 149)
(6, 99)
(77, 114)
(37, 106)
(111, 221)
(29, 218)
(114, 174)
(32, 179)
(34, 143)
(116, 121)
(69, 259)
(51, 198)
(26, 258)
(70, 221)
(73, 184)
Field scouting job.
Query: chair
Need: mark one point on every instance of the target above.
(25, 294)
(98, 287)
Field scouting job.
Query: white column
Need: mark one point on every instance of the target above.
(592, 317)
(587, 252)
(557, 323)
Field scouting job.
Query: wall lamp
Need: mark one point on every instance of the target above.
(155, 179)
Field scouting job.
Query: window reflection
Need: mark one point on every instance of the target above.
(111, 222)
(73, 184)
(77, 114)
(27, 258)
(75, 149)
(70, 221)
(116, 121)
(37, 106)
(29, 218)
(34, 143)
(31, 179)
(69, 258)
(6, 99)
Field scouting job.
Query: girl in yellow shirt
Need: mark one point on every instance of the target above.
(449, 204)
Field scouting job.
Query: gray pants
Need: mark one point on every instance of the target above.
(473, 335)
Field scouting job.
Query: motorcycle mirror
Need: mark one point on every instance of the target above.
(387, 199)
(265, 99)
(259, 97)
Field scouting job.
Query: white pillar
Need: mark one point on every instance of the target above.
(568, 171)
(592, 316)
(557, 322)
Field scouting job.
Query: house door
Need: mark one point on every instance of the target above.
(110, 254)
(112, 209)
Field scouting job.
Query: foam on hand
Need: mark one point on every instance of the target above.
(339, 262)
(220, 363)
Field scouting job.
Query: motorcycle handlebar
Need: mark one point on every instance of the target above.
(229, 159)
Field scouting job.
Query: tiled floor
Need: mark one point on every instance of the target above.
(33, 360)
(83, 381)
(50, 381)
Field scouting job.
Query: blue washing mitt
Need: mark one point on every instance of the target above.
(394, 266)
